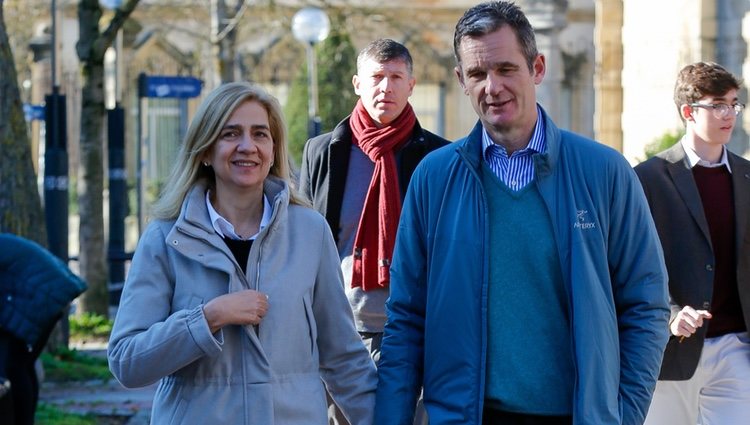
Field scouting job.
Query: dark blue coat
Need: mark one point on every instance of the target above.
(35, 287)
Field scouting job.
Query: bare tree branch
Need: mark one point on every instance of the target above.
(232, 22)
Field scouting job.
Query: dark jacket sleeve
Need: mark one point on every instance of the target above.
(35, 287)
(305, 173)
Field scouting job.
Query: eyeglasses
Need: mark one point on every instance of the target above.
(720, 110)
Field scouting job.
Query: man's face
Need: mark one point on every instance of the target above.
(707, 127)
(494, 74)
(384, 88)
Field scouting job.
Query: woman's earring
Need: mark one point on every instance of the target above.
(205, 163)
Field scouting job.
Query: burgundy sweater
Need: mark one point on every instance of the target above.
(715, 188)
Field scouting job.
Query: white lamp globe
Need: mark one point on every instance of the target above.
(310, 25)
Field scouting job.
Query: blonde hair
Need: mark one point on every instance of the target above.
(209, 119)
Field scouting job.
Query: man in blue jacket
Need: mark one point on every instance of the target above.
(528, 284)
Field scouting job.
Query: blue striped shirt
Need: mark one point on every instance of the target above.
(516, 170)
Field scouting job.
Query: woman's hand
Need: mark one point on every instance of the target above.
(246, 307)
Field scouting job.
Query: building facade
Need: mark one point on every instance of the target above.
(611, 63)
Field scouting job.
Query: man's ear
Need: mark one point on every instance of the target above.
(355, 83)
(687, 112)
(539, 69)
(460, 77)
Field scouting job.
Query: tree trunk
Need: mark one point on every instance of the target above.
(92, 254)
(20, 206)
(21, 210)
(91, 46)
(223, 41)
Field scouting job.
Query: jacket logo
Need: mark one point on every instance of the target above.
(582, 221)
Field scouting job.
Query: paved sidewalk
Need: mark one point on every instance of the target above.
(101, 399)
(106, 399)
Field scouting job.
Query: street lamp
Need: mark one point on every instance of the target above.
(113, 62)
(118, 190)
(310, 25)
(55, 156)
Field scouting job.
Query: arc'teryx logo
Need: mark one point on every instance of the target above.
(582, 221)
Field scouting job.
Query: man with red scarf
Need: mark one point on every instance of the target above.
(357, 175)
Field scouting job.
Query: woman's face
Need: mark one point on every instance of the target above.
(243, 154)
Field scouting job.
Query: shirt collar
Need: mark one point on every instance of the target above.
(537, 143)
(225, 229)
(693, 158)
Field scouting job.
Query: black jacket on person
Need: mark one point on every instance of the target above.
(677, 209)
(35, 289)
(325, 163)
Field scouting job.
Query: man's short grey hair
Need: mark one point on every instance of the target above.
(486, 18)
(385, 50)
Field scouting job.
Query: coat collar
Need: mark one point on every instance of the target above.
(194, 209)
(339, 153)
(741, 183)
(680, 172)
(682, 176)
(470, 148)
(338, 165)
(194, 221)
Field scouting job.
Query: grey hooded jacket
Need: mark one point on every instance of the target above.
(273, 375)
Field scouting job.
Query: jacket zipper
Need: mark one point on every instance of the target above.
(257, 265)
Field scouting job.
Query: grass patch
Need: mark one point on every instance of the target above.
(89, 326)
(72, 365)
(49, 415)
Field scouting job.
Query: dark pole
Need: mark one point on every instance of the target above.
(313, 121)
(118, 203)
(55, 158)
(56, 175)
(142, 78)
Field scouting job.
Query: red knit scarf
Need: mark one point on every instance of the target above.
(376, 234)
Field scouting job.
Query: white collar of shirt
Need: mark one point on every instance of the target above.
(225, 229)
(694, 159)
(537, 143)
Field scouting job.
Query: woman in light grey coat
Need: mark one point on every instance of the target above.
(234, 299)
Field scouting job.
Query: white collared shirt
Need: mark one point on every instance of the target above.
(225, 229)
(693, 158)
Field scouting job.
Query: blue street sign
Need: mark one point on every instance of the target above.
(163, 86)
(33, 112)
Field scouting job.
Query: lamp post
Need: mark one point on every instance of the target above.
(310, 25)
(55, 156)
(116, 255)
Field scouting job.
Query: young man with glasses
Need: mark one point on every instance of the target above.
(699, 194)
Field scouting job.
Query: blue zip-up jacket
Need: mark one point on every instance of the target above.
(613, 269)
